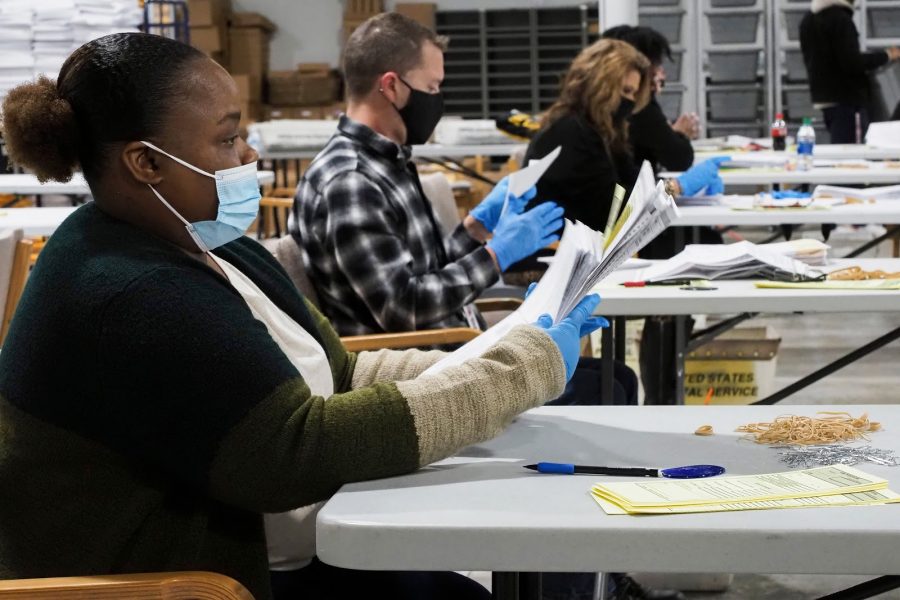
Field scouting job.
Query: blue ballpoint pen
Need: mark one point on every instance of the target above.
(687, 472)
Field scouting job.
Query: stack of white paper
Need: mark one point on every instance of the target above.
(738, 261)
(36, 38)
(881, 192)
(884, 135)
(582, 260)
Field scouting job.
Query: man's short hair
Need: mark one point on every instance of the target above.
(386, 42)
(647, 40)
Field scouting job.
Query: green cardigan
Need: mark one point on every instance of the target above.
(147, 420)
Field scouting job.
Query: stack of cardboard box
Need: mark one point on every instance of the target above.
(358, 11)
(209, 27)
(306, 92)
(249, 37)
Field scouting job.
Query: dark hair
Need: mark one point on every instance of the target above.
(648, 41)
(116, 88)
(386, 42)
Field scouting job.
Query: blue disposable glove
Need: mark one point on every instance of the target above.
(569, 331)
(782, 194)
(488, 211)
(704, 175)
(519, 235)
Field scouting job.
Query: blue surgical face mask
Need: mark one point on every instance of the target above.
(238, 192)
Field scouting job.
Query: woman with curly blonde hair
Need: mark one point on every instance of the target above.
(605, 84)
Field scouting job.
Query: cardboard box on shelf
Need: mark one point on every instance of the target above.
(422, 12)
(293, 88)
(249, 48)
(325, 111)
(251, 111)
(314, 69)
(209, 12)
(209, 39)
(252, 19)
(249, 86)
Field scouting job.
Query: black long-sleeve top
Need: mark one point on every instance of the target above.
(837, 69)
(653, 139)
(584, 175)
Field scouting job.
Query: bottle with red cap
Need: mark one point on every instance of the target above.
(779, 133)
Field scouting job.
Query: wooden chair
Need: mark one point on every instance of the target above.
(15, 255)
(288, 253)
(273, 217)
(193, 585)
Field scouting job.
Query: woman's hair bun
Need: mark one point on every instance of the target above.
(40, 130)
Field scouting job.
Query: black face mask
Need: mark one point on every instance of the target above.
(421, 114)
(623, 111)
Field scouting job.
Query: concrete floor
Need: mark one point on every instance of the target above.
(809, 342)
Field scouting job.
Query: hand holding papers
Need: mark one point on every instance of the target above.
(583, 259)
(835, 485)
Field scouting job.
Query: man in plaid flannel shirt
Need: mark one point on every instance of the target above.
(373, 249)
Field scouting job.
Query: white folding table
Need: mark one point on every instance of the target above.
(482, 511)
(741, 298)
(35, 221)
(875, 174)
(25, 184)
(881, 212)
(827, 151)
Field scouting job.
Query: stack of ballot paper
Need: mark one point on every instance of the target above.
(883, 135)
(740, 260)
(881, 192)
(835, 485)
(584, 257)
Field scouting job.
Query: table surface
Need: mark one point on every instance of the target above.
(482, 510)
(883, 212)
(827, 175)
(35, 221)
(830, 151)
(730, 297)
(26, 184)
(423, 150)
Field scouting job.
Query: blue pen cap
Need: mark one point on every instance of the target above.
(549, 467)
(692, 471)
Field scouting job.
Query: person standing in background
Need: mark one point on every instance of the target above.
(838, 70)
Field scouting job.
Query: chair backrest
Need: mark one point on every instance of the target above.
(273, 216)
(15, 262)
(288, 253)
(438, 191)
(145, 586)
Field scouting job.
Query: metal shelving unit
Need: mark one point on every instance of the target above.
(499, 60)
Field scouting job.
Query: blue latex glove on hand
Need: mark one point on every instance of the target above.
(488, 211)
(704, 175)
(519, 235)
(569, 331)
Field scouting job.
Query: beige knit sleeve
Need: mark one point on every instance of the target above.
(474, 401)
(392, 365)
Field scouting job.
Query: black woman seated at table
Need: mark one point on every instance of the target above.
(164, 385)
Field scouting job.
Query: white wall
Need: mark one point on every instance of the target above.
(310, 30)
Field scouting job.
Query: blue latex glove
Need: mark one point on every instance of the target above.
(519, 235)
(569, 331)
(704, 175)
(782, 194)
(488, 211)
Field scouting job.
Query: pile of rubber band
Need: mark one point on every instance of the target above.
(792, 429)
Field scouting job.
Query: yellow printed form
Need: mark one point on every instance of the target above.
(821, 486)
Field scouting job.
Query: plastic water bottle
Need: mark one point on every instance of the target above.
(779, 133)
(806, 142)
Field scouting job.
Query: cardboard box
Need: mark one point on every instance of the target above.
(249, 87)
(292, 88)
(251, 112)
(252, 19)
(249, 49)
(739, 366)
(422, 12)
(209, 39)
(314, 69)
(362, 9)
(209, 12)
